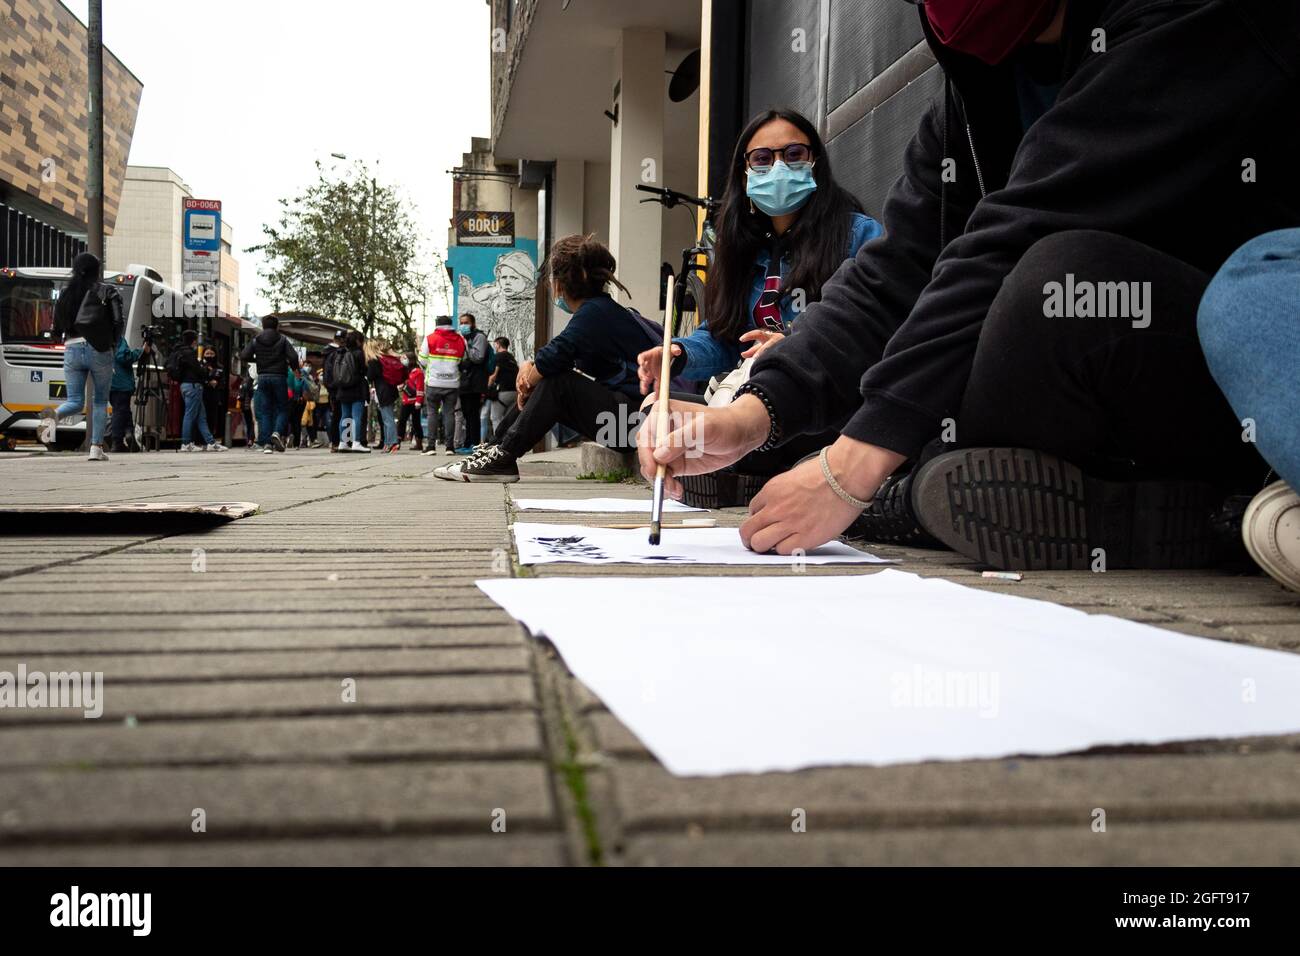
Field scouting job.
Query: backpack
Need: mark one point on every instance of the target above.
(174, 363)
(394, 371)
(96, 320)
(654, 332)
(346, 372)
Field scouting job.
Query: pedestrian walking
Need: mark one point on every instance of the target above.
(274, 357)
(88, 319)
(183, 366)
(352, 389)
(473, 378)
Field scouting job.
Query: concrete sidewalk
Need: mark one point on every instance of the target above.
(231, 658)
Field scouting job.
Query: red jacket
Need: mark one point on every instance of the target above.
(414, 384)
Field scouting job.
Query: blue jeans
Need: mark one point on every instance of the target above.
(388, 415)
(192, 393)
(271, 402)
(1249, 324)
(352, 422)
(80, 362)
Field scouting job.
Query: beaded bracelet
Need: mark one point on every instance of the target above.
(774, 431)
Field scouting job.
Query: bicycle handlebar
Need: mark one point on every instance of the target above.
(671, 197)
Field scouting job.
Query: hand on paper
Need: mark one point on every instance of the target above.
(763, 340)
(701, 439)
(800, 510)
(648, 366)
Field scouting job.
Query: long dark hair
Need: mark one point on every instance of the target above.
(816, 243)
(85, 275)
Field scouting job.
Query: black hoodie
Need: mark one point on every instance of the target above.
(270, 352)
(1146, 140)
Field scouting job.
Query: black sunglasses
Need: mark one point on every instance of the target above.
(791, 154)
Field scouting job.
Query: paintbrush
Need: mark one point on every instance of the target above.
(661, 420)
(684, 523)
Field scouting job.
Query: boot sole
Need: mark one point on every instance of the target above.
(721, 489)
(1016, 509)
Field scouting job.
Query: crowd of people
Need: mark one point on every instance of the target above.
(449, 390)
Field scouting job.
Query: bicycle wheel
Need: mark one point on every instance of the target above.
(688, 293)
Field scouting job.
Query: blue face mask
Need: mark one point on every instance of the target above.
(562, 305)
(780, 190)
(464, 329)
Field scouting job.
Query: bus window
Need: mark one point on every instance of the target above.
(27, 309)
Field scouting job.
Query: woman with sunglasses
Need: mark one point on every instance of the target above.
(783, 229)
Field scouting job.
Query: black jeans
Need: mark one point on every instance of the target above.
(471, 403)
(1124, 397)
(591, 409)
(411, 412)
(333, 429)
(122, 425)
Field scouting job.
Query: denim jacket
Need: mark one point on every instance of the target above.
(707, 356)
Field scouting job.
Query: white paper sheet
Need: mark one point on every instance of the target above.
(746, 675)
(600, 505)
(539, 543)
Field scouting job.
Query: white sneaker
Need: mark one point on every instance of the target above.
(449, 472)
(97, 453)
(189, 446)
(268, 450)
(357, 446)
(48, 430)
(1271, 530)
(431, 451)
(215, 446)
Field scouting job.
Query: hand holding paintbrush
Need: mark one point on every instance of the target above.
(661, 416)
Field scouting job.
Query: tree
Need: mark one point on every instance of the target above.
(348, 249)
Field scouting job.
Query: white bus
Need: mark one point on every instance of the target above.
(31, 361)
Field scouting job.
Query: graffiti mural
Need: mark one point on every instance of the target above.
(497, 287)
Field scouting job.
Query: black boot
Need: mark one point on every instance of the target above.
(1021, 510)
(891, 518)
(721, 489)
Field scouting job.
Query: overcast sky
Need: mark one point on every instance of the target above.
(241, 96)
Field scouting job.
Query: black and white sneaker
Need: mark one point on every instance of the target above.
(493, 463)
(1021, 510)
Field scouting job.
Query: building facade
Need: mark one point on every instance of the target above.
(43, 141)
(149, 232)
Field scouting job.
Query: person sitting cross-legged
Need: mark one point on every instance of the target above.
(601, 342)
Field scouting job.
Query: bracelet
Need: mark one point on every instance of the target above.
(774, 433)
(835, 485)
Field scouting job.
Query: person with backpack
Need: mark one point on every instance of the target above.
(601, 342)
(352, 390)
(385, 371)
(474, 370)
(184, 367)
(328, 358)
(88, 319)
(412, 401)
(122, 391)
(441, 352)
(274, 356)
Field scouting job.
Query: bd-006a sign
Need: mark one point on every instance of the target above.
(485, 228)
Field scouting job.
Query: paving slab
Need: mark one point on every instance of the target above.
(224, 690)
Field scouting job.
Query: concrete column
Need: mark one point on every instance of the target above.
(637, 156)
(569, 189)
